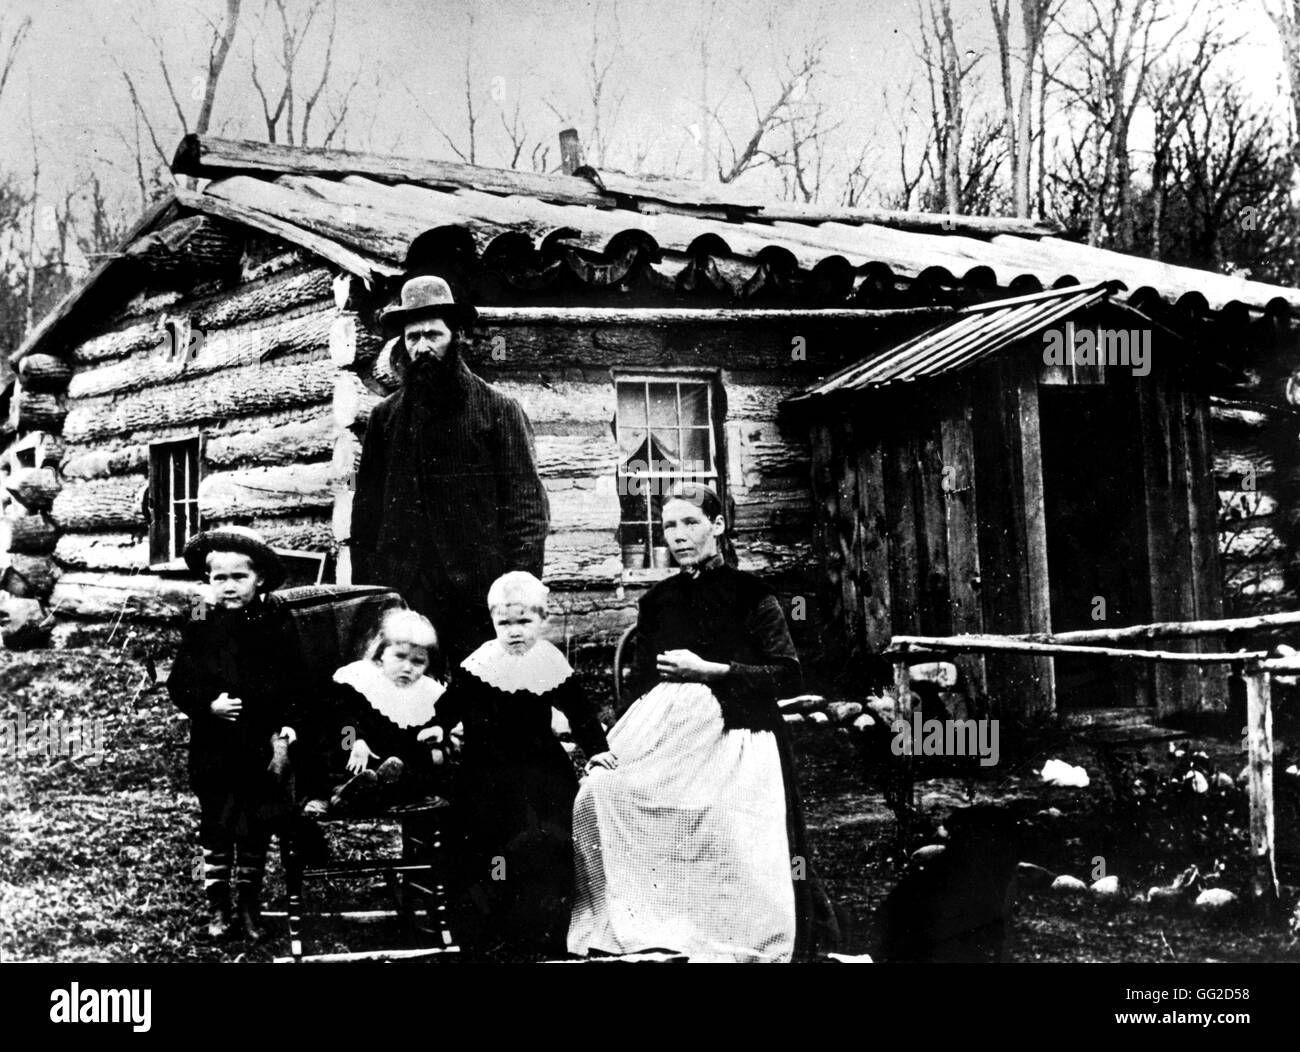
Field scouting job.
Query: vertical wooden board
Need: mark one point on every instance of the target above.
(872, 535)
(846, 498)
(961, 521)
(1206, 571)
(827, 535)
(1017, 686)
(1176, 687)
(898, 458)
(1023, 388)
(1259, 768)
(931, 529)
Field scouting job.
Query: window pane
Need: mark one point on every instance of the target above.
(632, 446)
(695, 451)
(663, 405)
(664, 450)
(695, 405)
(177, 456)
(631, 405)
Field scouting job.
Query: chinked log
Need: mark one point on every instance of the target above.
(272, 491)
(275, 295)
(282, 292)
(34, 534)
(728, 346)
(108, 595)
(29, 576)
(23, 622)
(38, 410)
(352, 400)
(44, 372)
(102, 551)
(140, 336)
(258, 343)
(34, 488)
(237, 392)
(262, 441)
(576, 456)
(352, 346)
(101, 504)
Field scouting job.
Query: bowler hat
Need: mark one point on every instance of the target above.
(427, 296)
(236, 539)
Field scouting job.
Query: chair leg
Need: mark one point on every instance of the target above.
(292, 860)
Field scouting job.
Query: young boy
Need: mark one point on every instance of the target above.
(238, 676)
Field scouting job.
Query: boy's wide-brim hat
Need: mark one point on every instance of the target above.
(236, 539)
(427, 297)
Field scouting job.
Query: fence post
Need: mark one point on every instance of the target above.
(1259, 746)
(906, 788)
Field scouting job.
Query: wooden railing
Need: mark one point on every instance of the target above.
(1255, 666)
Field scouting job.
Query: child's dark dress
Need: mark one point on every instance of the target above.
(389, 719)
(251, 654)
(517, 785)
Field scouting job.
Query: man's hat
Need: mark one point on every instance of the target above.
(427, 296)
(235, 539)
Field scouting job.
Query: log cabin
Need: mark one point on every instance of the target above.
(220, 367)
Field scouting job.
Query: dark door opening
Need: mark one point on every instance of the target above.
(1096, 535)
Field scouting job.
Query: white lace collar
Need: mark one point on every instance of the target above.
(541, 669)
(411, 706)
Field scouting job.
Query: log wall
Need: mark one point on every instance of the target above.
(252, 376)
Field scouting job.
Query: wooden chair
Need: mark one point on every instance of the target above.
(334, 624)
(622, 653)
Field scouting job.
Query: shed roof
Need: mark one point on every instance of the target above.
(978, 332)
(362, 212)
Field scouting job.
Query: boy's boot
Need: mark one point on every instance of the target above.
(248, 893)
(216, 888)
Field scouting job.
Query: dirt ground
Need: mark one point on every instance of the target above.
(97, 861)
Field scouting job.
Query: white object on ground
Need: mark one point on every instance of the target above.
(1212, 899)
(1058, 772)
(1068, 885)
(1106, 886)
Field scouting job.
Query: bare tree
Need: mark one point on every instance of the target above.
(598, 117)
(1223, 161)
(12, 42)
(1285, 15)
(281, 116)
(1171, 90)
(947, 68)
(787, 105)
(1114, 48)
(219, 44)
(1018, 115)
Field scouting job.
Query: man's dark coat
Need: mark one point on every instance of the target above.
(447, 496)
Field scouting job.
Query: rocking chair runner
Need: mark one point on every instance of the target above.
(334, 623)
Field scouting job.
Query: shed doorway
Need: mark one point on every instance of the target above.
(1095, 525)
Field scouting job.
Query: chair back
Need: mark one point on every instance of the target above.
(335, 622)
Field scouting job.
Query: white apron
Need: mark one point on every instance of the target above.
(683, 847)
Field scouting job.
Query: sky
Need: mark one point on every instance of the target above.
(409, 60)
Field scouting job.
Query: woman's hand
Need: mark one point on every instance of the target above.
(359, 757)
(606, 760)
(226, 708)
(687, 666)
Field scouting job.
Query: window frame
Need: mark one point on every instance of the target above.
(163, 513)
(715, 473)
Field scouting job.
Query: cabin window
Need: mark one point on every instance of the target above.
(667, 429)
(173, 497)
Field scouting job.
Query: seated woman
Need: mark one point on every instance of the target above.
(692, 841)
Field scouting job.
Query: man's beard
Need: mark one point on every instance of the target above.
(428, 370)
